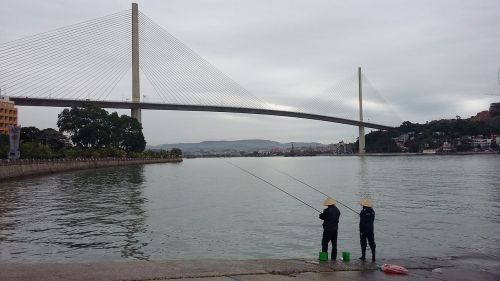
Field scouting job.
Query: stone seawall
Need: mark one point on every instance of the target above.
(26, 168)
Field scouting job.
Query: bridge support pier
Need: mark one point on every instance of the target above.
(136, 113)
(361, 138)
(136, 88)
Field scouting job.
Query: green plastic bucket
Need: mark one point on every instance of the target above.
(346, 256)
(323, 256)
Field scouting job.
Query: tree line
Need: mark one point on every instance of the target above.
(86, 132)
(433, 134)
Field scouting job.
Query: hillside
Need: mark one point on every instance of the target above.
(458, 132)
(237, 145)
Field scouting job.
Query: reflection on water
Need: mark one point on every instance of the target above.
(364, 190)
(205, 208)
(101, 209)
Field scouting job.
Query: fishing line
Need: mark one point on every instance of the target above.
(312, 187)
(269, 183)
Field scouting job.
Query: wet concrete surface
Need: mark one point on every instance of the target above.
(477, 267)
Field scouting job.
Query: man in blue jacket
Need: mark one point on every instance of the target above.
(330, 217)
(366, 218)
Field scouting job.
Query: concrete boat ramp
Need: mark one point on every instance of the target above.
(458, 268)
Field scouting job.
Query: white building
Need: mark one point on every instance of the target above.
(481, 143)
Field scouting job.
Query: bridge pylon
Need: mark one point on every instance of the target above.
(361, 139)
(136, 87)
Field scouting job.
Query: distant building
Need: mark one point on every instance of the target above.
(480, 142)
(429, 151)
(8, 115)
(403, 138)
(447, 147)
(341, 148)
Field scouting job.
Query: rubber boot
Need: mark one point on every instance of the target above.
(373, 255)
(363, 254)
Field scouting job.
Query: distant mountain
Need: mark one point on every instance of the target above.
(238, 145)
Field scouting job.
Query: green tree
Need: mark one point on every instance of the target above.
(132, 139)
(380, 142)
(33, 150)
(53, 138)
(29, 134)
(415, 146)
(176, 152)
(92, 128)
(116, 129)
(87, 126)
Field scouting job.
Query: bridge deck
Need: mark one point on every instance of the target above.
(25, 101)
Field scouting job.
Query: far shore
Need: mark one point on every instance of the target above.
(350, 155)
(426, 154)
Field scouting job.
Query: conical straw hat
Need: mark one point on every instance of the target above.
(366, 202)
(329, 201)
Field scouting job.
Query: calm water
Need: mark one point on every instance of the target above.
(206, 208)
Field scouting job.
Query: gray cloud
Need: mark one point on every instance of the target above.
(429, 59)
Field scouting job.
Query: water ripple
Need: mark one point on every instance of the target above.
(204, 208)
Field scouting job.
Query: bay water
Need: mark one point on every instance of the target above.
(207, 208)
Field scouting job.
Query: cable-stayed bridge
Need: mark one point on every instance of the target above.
(86, 63)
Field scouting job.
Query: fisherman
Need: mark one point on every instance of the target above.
(366, 218)
(330, 217)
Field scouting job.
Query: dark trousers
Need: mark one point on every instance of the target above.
(371, 241)
(330, 235)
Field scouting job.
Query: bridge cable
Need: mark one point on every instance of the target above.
(33, 67)
(50, 44)
(157, 69)
(228, 86)
(56, 42)
(342, 92)
(58, 59)
(157, 48)
(64, 76)
(194, 59)
(103, 79)
(389, 114)
(196, 81)
(61, 29)
(102, 67)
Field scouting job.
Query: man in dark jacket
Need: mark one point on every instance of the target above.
(330, 217)
(366, 218)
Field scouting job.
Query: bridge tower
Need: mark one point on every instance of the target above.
(361, 128)
(136, 88)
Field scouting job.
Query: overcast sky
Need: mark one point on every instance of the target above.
(428, 59)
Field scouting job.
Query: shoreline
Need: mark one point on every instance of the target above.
(350, 155)
(20, 169)
(476, 267)
(428, 154)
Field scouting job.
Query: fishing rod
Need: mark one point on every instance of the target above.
(312, 187)
(269, 183)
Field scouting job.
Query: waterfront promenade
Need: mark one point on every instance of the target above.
(476, 267)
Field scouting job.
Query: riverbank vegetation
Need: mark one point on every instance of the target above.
(86, 132)
(460, 135)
